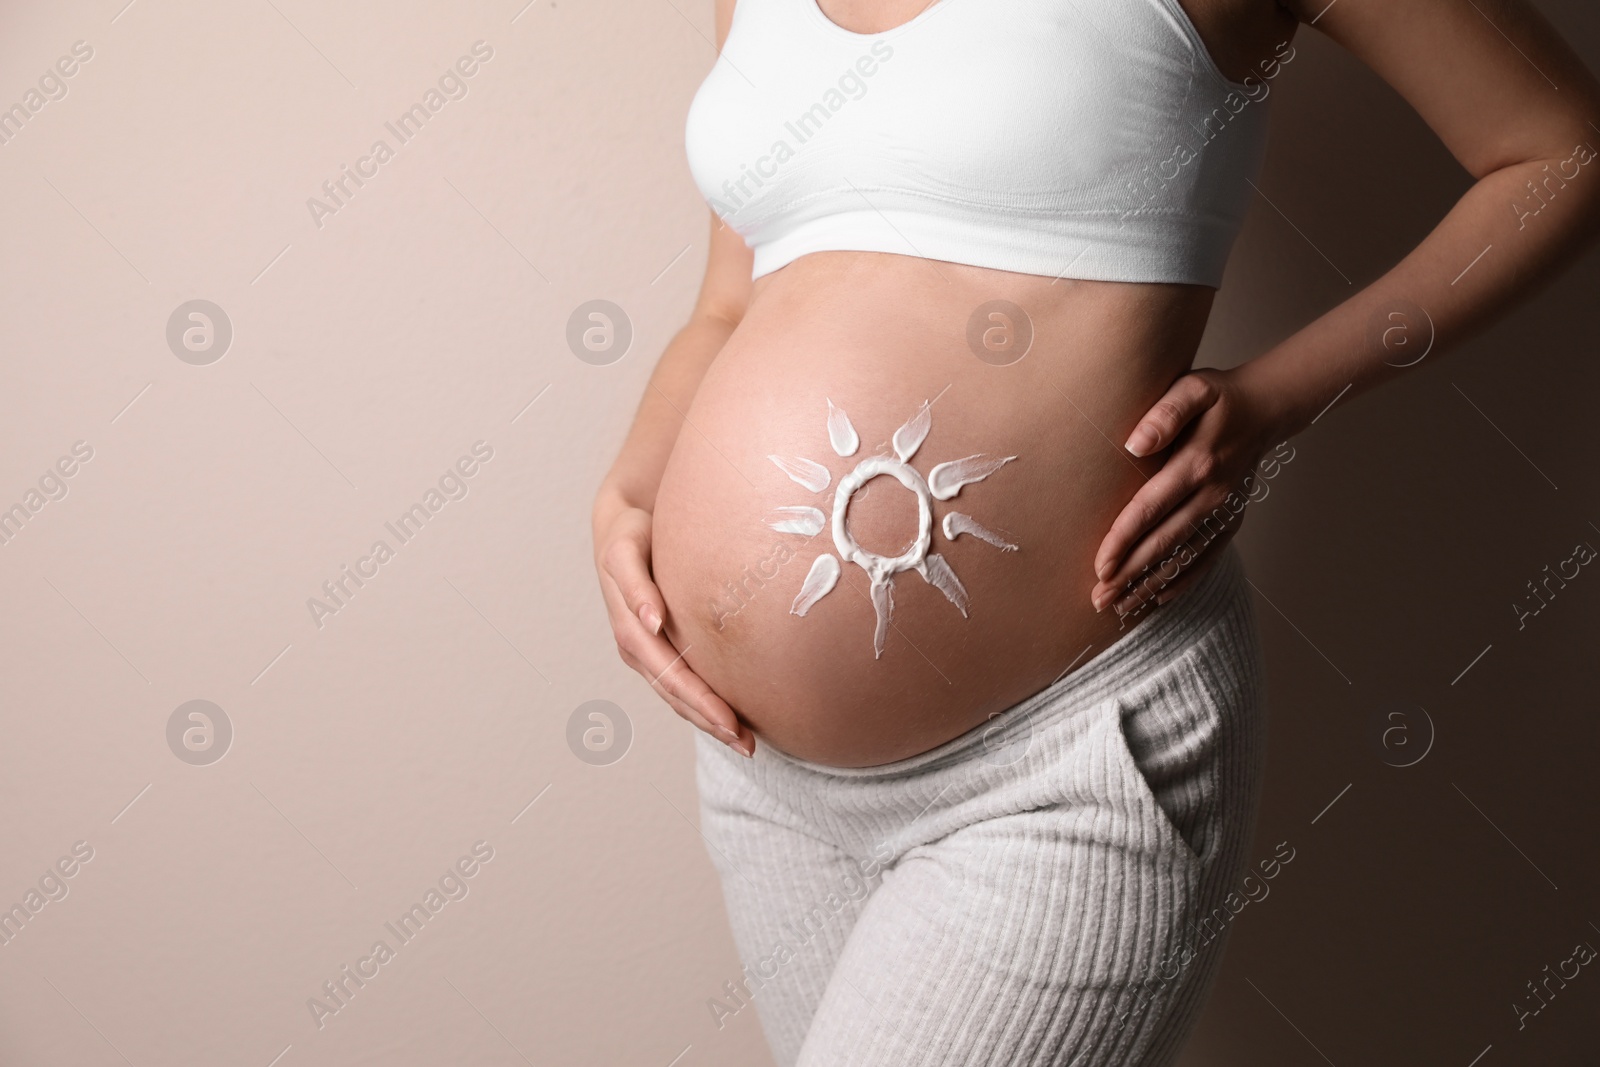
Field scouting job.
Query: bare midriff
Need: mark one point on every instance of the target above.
(879, 334)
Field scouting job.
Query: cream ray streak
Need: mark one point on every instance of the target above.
(809, 473)
(797, 520)
(955, 524)
(841, 434)
(820, 580)
(946, 479)
(883, 603)
(908, 438)
(937, 573)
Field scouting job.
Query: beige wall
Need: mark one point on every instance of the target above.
(372, 752)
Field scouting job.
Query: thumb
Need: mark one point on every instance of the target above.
(627, 561)
(1188, 397)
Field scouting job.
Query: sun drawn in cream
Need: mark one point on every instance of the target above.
(942, 483)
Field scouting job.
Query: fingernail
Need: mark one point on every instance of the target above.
(725, 732)
(1100, 600)
(1142, 440)
(650, 617)
(739, 747)
(1103, 571)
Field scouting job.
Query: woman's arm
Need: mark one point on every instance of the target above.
(1530, 143)
(634, 477)
(1519, 111)
(627, 495)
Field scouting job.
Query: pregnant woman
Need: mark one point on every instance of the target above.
(924, 518)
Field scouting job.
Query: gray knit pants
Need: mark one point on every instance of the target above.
(1034, 892)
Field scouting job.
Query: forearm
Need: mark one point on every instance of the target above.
(636, 473)
(1500, 242)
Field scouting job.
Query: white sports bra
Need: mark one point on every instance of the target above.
(1068, 138)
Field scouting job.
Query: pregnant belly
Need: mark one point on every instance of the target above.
(919, 555)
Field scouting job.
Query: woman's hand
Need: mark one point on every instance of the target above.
(1176, 525)
(637, 609)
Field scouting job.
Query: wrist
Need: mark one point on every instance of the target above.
(609, 501)
(1272, 402)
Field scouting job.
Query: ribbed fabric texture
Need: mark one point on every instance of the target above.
(1032, 892)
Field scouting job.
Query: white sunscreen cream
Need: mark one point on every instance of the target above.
(820, 580)
(801, 520)
(809, 473)
(908, 438)
(841, 435)
(943, 482)
(946, 479)
(956, 524)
